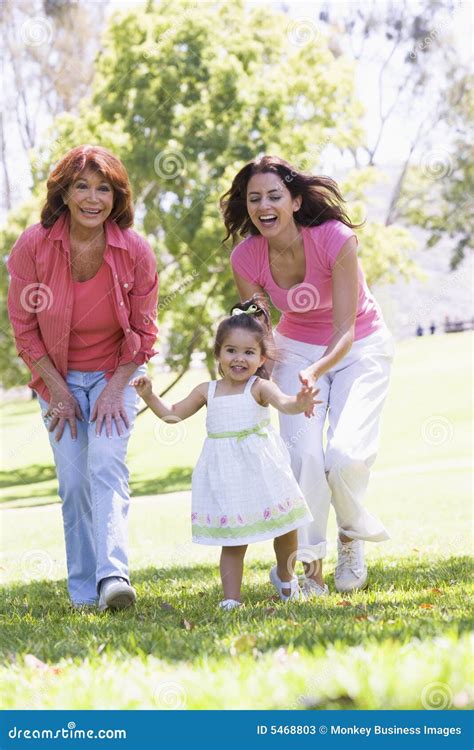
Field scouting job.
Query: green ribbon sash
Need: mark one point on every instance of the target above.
(259, 430)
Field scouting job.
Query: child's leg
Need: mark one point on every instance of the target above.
(232, 568)
(285, 550)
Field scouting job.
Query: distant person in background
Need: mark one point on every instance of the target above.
(419, 330)
(432, 328)
(300, 248)
(82, 303)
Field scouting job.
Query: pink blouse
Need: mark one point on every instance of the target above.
(41, 298)
(307, 307)
(96, 334)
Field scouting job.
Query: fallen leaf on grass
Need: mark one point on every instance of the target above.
(361, 617)
(437, 591)
(274, 598)
(187, 625)
(344, 603)
(167, 607)
(269, 611)
(425, 605)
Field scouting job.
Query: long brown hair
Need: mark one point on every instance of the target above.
(257, 321)
(67, 170)
(321, 198)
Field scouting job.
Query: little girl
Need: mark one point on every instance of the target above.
(243, 488)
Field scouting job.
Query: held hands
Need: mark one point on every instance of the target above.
(306, 400)
(308, 376)
(143, 386)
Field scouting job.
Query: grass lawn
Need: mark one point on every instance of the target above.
(403, 643)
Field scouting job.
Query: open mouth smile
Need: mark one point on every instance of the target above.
(268, 220)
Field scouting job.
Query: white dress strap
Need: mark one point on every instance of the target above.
(211, 390)
(250, 383)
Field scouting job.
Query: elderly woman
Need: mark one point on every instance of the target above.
(82, 303)
(301, 249)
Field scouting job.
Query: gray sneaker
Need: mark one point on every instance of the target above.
(351, 571)
(116, 593)
(310, 588)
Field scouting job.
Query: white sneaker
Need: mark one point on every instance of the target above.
(229, 604)
(310, 588)
(282, 586)
(116, 593)
(351, 572)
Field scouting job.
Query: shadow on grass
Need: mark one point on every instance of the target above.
(175, 480)
(177, 617)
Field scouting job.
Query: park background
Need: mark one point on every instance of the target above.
(377, 95)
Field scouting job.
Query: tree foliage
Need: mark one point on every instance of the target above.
(186, 93)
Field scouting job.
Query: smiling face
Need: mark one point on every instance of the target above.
(270, 204)
(240, 355)
(90, 200)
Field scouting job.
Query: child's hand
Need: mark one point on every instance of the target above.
(143, 386)
(306, 400)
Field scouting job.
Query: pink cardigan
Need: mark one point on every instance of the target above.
(40, 296)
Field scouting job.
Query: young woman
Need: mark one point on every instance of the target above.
(300, 249)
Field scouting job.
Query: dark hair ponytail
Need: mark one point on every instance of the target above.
(255, 318)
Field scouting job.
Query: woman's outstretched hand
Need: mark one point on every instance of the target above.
(306, 400)
(143, 386)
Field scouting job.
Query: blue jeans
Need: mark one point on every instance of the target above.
(93, 486)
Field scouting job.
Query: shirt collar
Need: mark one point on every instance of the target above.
(114, 236)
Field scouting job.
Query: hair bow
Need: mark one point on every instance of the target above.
(249, 311)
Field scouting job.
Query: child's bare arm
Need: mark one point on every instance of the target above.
(170, 413)
(304, 401)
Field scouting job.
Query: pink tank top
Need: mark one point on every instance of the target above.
(307, 307)
(96, 334)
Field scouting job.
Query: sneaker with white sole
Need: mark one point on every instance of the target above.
(351, 571)
(229, 604)
(116, 593)
(310, 588)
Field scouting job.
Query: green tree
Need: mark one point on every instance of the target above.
(438, 193)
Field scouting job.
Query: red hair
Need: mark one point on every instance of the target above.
(69, 168)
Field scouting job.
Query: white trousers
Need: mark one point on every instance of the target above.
(353, 394)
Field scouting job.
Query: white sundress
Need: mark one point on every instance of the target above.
(243, 488)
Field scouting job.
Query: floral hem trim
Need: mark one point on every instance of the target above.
(271, 524)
